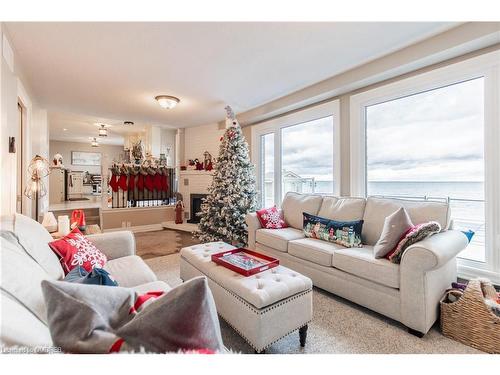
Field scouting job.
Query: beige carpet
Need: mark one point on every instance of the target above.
(338, 326)
(162, 242)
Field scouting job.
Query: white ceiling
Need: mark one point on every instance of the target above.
(77, 128)
(114, 70)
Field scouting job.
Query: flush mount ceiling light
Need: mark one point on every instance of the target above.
(94, 142)
(128, 123)
(167, 101)
(103, 132)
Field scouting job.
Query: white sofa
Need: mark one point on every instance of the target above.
(408, 292)
(27, 260)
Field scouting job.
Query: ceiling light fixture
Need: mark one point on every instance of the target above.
(129, 123)
(94, 142)
(167, 101)
(103, 132)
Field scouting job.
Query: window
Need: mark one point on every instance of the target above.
(431, 145)
(435, 136)
(307, 157)
(297, 152)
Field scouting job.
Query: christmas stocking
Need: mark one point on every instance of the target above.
(122, 182)
(164, 183)
(131, 182)
(114, 183)
(157, 181)
(148, 181)
(140, 182)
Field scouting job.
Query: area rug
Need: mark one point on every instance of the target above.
(338, 327)
(162, 242)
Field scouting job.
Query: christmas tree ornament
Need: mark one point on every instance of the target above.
(232, 192)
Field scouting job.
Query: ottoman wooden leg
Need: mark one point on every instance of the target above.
(303, 335)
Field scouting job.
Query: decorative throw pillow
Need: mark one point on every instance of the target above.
(415, 234)
(75, 250)
(395, 226)
(271, 218)
(97, 276)
(102, 319)
(345, 233)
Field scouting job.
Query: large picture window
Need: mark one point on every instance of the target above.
(430, 145)
(297, 153)
(435, 136)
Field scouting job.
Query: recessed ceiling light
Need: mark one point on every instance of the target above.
(167, 101)
(64, 129)
(103, 132)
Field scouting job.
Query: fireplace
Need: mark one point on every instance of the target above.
(195, 207)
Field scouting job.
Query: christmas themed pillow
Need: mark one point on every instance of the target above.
(75, 250)
(271, 218)
(345, 233)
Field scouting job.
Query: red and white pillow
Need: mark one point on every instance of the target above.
(75, 250)
(271, 218)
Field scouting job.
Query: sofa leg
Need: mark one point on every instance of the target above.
(416, 333)
(303, 335)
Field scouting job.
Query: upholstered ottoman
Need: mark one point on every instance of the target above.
(262, 308)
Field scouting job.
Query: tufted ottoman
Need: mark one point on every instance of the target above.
(262, 308)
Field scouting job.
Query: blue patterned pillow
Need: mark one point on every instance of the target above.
(345, 233)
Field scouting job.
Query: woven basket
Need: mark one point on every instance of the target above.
(470, 321)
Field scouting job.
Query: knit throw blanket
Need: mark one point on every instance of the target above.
(415, 234)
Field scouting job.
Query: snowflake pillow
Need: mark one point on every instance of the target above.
(75, 250)
(271, 218)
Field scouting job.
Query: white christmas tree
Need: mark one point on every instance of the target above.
(232, 192)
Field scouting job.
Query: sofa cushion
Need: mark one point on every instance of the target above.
(313, 250)
(294, 204)
(34, 239)
(20, 328)
(278, 238)
(395, 226)
(342, 209)
(21, 278)
(377, 209)
(130, 271)
(362, 263)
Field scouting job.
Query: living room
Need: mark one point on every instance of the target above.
(295, 187)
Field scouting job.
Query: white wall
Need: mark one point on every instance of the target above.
(65, 148)
(199, 139)
(14, 87)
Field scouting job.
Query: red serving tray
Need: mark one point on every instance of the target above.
(270, 261)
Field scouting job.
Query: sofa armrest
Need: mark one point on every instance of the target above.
(434, 251)
(253, 224)
(114, 244)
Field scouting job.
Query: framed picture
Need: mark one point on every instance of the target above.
(85, 158)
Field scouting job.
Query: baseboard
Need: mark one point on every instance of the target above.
(136, 229)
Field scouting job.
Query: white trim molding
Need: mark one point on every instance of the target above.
(486, 66)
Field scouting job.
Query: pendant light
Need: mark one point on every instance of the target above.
(103, 132)
(94, 142)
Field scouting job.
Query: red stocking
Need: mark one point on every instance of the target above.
(164, 183)
(131, 182)
(157, 181)
(149, 182)
(113, 183)
(122, 182)
(140, 182)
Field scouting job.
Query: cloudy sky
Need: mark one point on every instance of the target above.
(432, 136)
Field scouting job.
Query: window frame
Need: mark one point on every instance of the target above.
(275, 126)
(487, 66)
